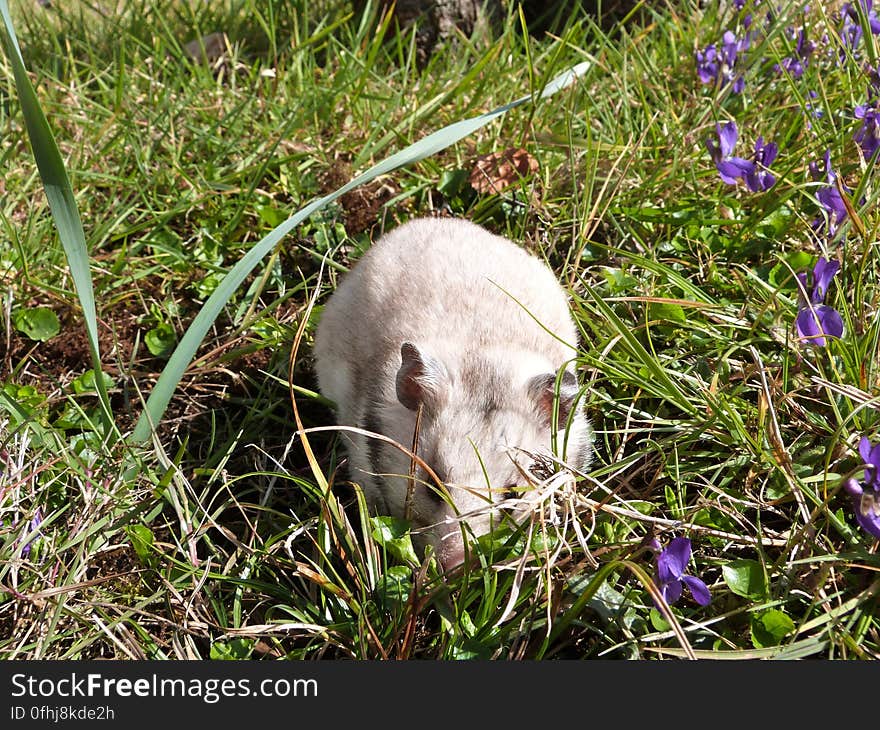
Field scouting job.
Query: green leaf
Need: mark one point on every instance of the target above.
(160, 340)
(470, 650)
(657, 621)
(38, 323)
(746, 578)
(641, 505)
(233, 649)
(269, 214)
(667, 312)
(611, 605)
(204, 320)
(386, 529)
(26, 397)
(393, 587)
(796, 261)
(777, 487)
(86, 383)
(141, 538)
(618, 280)
(777, 223)
(71, 417)
(206, 285)
(393, 534)
(452, 181)
(770, 628)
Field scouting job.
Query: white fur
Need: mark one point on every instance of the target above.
(468, 300)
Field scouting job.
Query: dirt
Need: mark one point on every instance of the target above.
(362, 207)
(52, 365)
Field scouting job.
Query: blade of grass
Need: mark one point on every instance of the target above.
(189, 343)
(62, 203)
(669, 388)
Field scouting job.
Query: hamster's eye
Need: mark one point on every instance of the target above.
(435, 493)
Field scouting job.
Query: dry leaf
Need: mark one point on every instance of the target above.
(497, 170)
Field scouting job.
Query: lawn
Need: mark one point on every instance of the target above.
(704, 187)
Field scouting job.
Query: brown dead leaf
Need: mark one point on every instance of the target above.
(498, 170)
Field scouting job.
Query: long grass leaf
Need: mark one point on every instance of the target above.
(189, 343)
(669, 389)
(59, 193)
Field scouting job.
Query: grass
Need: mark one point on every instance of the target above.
(227, 535)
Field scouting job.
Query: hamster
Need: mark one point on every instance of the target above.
(443, 314)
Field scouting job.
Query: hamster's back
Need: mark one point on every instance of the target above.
(447, 277)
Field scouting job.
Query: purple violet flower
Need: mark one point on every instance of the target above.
(874, 81)
(797, 63)
(33, 526)
(823, 272)
(851, 32)
(730, 168)
(754, 173)
(868, 135)
(732, 47)
(849, 11)
(708, 66)
(829, 196)
(719, 61)
(760, 178)
(873, 20)
(866, 496)
(832, 202)
(816, 321)
(671, 578)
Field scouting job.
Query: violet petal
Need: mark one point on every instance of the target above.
(734, 168)
(679, 548)
(699, 590)
(815, 321)
(769, 153)
(671, 591)
(830, 320)
(823, 273)
(668, 568)
(853, 488)
(865, 450)
(870, 523)
(727, 136)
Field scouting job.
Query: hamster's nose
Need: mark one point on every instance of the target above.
(450, 550)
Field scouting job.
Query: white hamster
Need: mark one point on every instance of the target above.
(441, 312)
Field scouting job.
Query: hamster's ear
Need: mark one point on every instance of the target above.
(421, 378)
(542, 389)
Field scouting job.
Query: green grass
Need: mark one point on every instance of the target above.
(227, 535)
